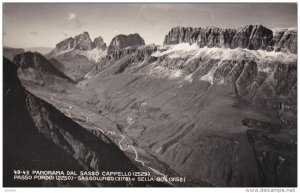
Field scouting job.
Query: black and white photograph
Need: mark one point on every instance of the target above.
(133, 94)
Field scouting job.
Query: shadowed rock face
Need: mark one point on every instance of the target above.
(140, 52)
(34, 60)
(99, 43)
(83, 42)
(23, 146)
(10, 53)
(34, 66)
(123, 41)
(284, 40)
(252, 37)
(39, 137)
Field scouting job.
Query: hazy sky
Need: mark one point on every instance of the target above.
(36, 25)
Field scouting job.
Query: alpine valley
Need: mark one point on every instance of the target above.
(212, 106)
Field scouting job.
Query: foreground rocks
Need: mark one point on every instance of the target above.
(39, 137)
(35, 68)
(10, 53)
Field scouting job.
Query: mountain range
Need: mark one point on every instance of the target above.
(252, 37)
(216, 106)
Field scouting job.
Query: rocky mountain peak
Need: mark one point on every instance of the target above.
(83, 41)
(61, 46)
(30, 60)
(123, 41)
(79, 42)
(99, 43)
(37, 62)
(253, 37)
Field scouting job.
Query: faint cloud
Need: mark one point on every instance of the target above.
(72, 16)
(140, 10)
(148, 13)
(34, 33)
(65, 34)
(72, 22)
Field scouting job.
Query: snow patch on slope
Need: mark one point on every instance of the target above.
(94, 55)
(164, 72)
(185, 50)
(63, 52)
(178, 50)
(294, 29)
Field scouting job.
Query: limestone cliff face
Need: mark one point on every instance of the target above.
(99, 43)
(123, 41)
(138, 51)
(81, 42)
(284, 40)
(63, 45)
(252, 37)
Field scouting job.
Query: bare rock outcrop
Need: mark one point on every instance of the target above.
(123, 41)
(63, 45)
(83, 41)
(99, 43)
(80, 42)
(284, 40)
(252, 37)
(34, 64)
